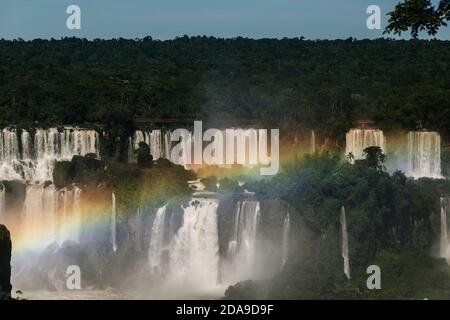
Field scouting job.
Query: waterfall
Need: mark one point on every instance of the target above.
(77, 213)
(69, 215)
(194, 253)
(313, 141)
(50, 215)
(424, 154)
(155, 144)
(157, 241)
(131, 158)
(285, 240)
(138, 224)
(9, 145)
(444, 245)
(113, 223)
(359, 139)
(345, 255)
(40, 215)
(139, 137)
(154, 139)
(36, 161)
(161, 146)
(242, 245)
(9, 155)
(2, 203)
(167, 145)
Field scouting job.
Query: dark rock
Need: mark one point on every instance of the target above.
(5, 262)
(62, 175)
(14, 199)
(82, 169)
(164, 163)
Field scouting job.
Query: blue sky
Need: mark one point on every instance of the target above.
(164, 19)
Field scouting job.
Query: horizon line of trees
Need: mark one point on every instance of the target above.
(321, 84)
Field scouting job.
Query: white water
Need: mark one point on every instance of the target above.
(77, 214)
(158, 142)
(34, 161)
(359, 139)
(285, 240)
(39, 215)
(444, 245)
(138, 230)
(246, 140)
(424, 154)
(50, 215)
(69, 217)
(191, 256)
(194, 254)
(345, 254)
(167, 145)
(156, 146)
(198, 186)
(157, 241)
(313, 141)
(242, 246)
(113, 223)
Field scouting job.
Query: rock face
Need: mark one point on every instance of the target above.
(5, 261)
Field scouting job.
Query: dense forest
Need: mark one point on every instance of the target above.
(321, 84)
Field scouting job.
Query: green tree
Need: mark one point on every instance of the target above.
(375, 157)
(144, 158)
(418, 15)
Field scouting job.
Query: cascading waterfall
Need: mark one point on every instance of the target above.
(9, 155)
(359, 139)
(9, 145)
(190, 252)
(138, 231)
(285, 240)
(26, 144)
(48, 215)
(424, 154)
(34, 160)
(313, 141)
(40, 215)
(242, 245)
(78, 222)
(113, 223)
(345, 254)
(154, 139)
(167, 145)
(51, 216)
(194, 254)
(161, 145)
(444, 245)
(157, 241)
(155, 144)
(130, 152)
(70, 214)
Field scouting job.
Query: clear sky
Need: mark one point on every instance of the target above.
(164, 19)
